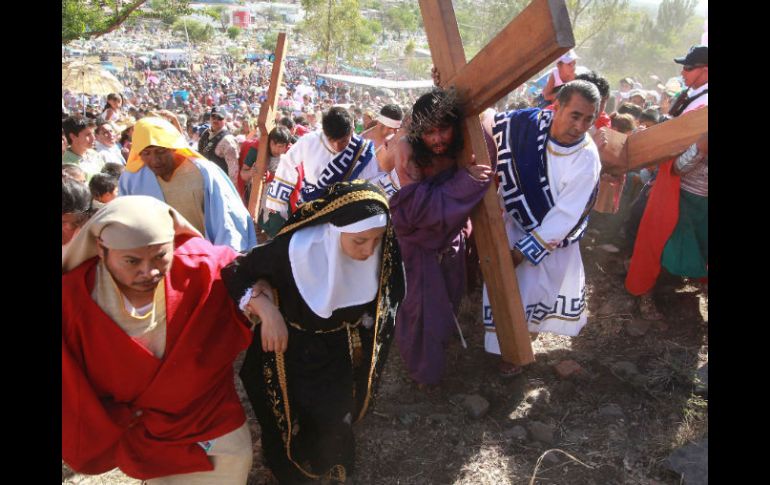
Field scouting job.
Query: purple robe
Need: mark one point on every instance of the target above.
(431, 223)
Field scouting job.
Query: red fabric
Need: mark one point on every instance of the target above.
(657, 225)
(300, 130)
(294, 197)
(245, 146)
(602, 121)
(186, 397)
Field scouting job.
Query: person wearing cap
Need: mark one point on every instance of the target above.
(563, 72)
(637, 97)
(218, 145)
(673, 232)
(325, 329)
(162, 165)
(149, 337)
(334, 154)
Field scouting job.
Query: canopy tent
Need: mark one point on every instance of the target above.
(376, 82)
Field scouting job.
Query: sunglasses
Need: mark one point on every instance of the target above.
(217, 118)
(690, 68)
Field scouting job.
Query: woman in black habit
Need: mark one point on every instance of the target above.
(326, 323)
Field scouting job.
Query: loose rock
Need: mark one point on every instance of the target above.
(541, 432)
(517, 432)
(702, 380)
(637, 327)
(624, 369)
(567, 368)
(611, 411)
(475, 405)
(692, 461)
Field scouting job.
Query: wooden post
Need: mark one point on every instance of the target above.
(265, 123)
(539, 35)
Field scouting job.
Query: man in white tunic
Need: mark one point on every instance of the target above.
(320, 159)
(548, 170)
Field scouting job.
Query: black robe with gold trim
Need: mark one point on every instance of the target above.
(307, 398)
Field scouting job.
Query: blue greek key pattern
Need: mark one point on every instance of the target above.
(562, 308)
(532, 249)
(538, 312)
(279, 191)
(514, 200)
(355, 155)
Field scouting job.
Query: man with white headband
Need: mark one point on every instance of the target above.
(149, 336)
(388, 123)
(162, 165)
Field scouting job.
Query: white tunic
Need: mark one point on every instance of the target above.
(553, 291)
(315, 153)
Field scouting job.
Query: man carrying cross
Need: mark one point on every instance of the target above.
(430, 217)
(548, 170)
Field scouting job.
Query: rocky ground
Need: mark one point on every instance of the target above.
(625, 402)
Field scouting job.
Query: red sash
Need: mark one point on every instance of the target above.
(657, 225)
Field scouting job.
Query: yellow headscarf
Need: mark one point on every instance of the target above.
(160, 133)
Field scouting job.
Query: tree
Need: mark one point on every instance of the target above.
(337, 29)
(270, 41)
(84, 19)
(218, 13)
(233, 32)
(402, 18)
(198, 32)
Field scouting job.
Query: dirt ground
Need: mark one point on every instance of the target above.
(615, 422)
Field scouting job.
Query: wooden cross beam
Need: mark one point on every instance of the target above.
(644, 148)
(265, 123)
(647, 147)
(534, 39)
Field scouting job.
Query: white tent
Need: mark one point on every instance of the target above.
(378, 82)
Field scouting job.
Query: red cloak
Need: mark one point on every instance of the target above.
(123, 407)
(658, 222)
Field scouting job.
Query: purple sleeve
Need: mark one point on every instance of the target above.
(429, 214)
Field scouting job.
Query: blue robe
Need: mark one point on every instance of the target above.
(227, 221)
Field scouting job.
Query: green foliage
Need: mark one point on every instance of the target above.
(233, 32)
(167, 11)
(218, 13)
(82, 19)
(197, 31)
(270, 41)
(639, 45)
(409, 48)
(480, 22)
(403, 18)
(236, 53)
(337, 29)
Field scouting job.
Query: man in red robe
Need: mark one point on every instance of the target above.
(149, 336)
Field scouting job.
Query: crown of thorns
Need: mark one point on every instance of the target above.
(443, 106)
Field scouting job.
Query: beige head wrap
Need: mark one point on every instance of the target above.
(127, 222)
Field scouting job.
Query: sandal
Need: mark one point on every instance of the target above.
(507, 370)
(647, 308)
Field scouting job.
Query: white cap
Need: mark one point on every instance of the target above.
(569, 57)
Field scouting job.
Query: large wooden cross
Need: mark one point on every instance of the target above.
(535, 38)
(265, 123)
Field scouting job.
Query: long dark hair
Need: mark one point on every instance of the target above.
(438, 107)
